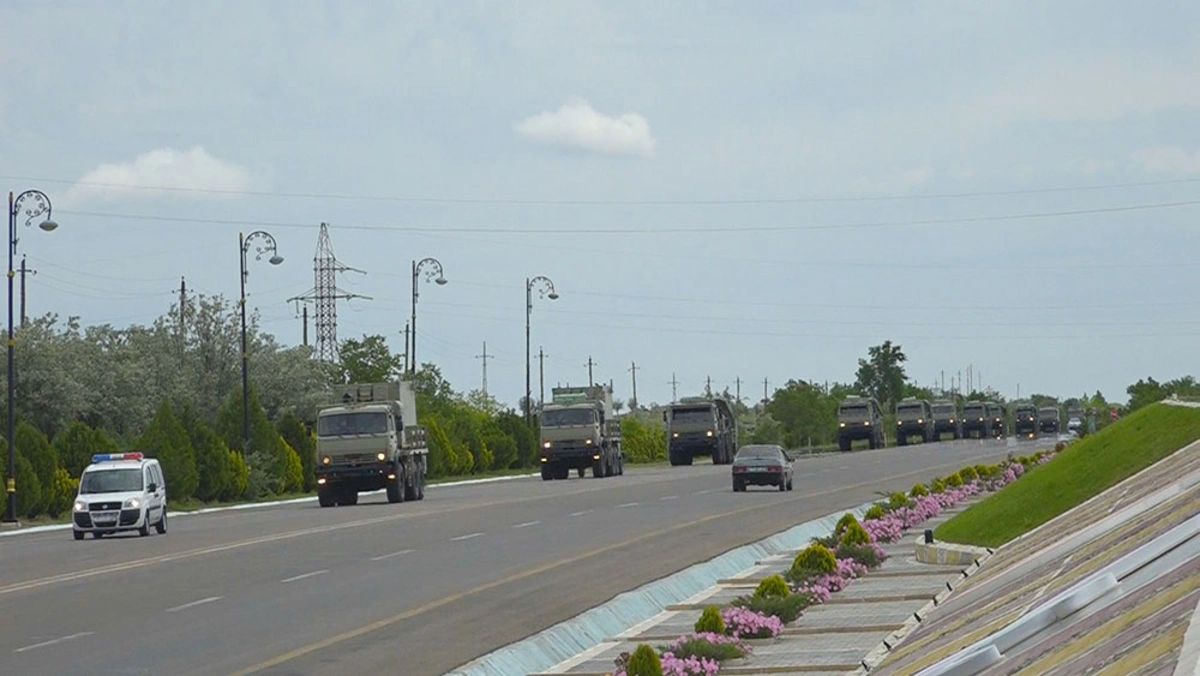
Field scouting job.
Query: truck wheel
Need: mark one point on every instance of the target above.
(901, 440)
(598, 469)
(421, 482)
(674, 457)
(581, 470)
(547, 475)
(561, 473)
(396, 488)
(410, 486)
(843, 444)
(349, 497)
(325, 497)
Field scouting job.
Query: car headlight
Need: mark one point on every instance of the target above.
(132, 503)
(80, 506)
(381, 456)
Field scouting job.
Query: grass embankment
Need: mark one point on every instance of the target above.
(1081, 471)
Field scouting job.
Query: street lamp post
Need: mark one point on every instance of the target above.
(545, 289)
(434, 274)
(39, 204)
(267, 246)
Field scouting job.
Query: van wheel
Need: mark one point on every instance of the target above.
(161, 526)
(96, 535)
(78, 534)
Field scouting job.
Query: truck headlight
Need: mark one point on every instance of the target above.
(545, 444)
(381, 455)
(325, 460)
(588, 442)
(709, 433)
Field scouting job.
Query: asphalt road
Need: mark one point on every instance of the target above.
(416, 588)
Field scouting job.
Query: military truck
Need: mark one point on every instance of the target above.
(580, 430)
(946, 419)
(914, 418)
(975, 420)
(698, 426)
(860, 418)
(996, 422)
(371, 441)
(1025, 419)
(1048, 419)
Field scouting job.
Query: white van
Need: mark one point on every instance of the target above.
(120, 492)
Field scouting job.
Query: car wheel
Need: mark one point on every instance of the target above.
(789, 484)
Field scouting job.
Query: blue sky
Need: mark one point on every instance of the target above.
(717, 189)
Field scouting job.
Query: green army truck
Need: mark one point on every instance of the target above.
(697, 426)
(946, 419)
(371, 441)
(860, 418)
(914, 418)
(580, 430)
(975, 422)
(1048, 420)
(1025, 419)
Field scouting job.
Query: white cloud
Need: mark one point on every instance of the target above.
(577, 125)
(1168, 160)
(189, 172)
(916, 176)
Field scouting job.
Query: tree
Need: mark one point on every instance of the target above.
(76, 445)
(294, 433)
(35, 447)
(881, 375)
(219, 476)
(368, 360)
(272, 467)
(29, 489)
(1145, 392)
(167, 440)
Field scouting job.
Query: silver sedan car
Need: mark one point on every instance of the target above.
(762, 465)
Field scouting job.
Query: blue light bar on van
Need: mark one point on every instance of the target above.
(108, 457)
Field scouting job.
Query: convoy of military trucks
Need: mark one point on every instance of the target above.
(370, 438)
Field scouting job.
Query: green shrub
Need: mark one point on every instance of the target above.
(844, 523)
(815, 558)
(937, 486)
(875, 511)
(711, 621)
(62, 493)
(864, 554)
(984, 471)
(644, 662)
(897, 500)
(919, 491)
(968, 474)
(787, 609)
(773, 587)
(855, 535)
(954, 480)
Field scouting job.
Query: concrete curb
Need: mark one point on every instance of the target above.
(567, 642)
(274, 503)
(948, 553)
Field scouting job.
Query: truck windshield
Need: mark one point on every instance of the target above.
(566, 417)
(910, 412)
(854, 412)
(692, 415)
(338, 424)
(976, 409)
(111, 481)
(943, 410)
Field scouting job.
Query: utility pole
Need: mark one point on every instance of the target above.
(541, 376)
(304, 319)
(407, 353)
(182, 308)
(25, 270)
(590, 364)
(765, 397)
(943, 382)
(708, 386)
(484, 357)
(633, 368)
(738, 383)
(674, 388)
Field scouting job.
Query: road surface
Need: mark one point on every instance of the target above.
(416, 588)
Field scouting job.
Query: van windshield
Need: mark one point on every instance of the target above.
(366, 422)
(111, 481)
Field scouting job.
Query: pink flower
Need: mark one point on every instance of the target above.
(689, 666)
(850, 569)
(743, 623)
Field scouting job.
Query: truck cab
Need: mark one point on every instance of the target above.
(1048, 419)
(996, 422)
(860, 418)
(914, 418)
(975, 420)
(1025, 419)
(697, 426)
(371, 441)
(579, 430)
(946, 419)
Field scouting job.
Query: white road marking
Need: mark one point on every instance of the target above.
(669, 497)
(305, 576)
(627, 504)
(711, 490)
(465, 537)
(586, 511)
(527, 524)
(388, 556)
(843, 466)
(193, 604)
(56, 641)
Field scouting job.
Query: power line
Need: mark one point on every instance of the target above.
(687, 229)
(612, 202)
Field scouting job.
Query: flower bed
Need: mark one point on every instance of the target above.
(825, 567)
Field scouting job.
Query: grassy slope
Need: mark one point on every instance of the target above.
(1084, 469)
